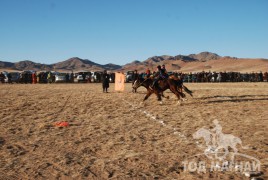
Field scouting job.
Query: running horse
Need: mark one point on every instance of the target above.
(158, 89)
(181, 85)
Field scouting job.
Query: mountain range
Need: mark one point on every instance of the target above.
(186, 63)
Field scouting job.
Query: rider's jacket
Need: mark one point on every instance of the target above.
(161, 74)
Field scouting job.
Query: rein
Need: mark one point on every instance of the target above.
(141, 83)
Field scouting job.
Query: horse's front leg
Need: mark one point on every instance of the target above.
(134, 90)
(158, 94)
(149, 93)
(135, 86)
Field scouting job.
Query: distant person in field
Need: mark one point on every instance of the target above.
(72, 77)
(261, 76)
(49, 77)
(265, 76)
(135, 76)
(2, 77)
(67, 77)
(9, 78)
(34, 78)
(105, 81)
(148, 73)
(84, 76)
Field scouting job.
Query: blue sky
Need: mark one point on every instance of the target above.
(120, 31)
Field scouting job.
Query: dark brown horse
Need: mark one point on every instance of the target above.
(181, 86)
(159, 88)
(141, 82)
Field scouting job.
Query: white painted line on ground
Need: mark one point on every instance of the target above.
(175, 132)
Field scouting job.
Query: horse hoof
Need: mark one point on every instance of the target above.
(167, 97)
(184, 99)
(161, 102)
(179, 103)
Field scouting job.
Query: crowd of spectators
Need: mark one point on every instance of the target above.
(224, 77)
(196, 77)
(201, 77)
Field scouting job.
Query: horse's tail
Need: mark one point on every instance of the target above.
(187, 90)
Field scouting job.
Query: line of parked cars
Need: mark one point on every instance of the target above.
(6, 77)
(53, 77)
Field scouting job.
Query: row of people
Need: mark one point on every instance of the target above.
(210, 76)
(160, 73)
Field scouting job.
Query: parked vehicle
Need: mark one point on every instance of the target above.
(60, 77)
(96, 76)
(83, 76)
(3, 77)
(15, 77)
(129, 76)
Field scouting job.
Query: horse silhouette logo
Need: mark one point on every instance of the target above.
(218, 143)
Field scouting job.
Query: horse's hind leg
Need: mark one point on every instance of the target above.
(159, 94)
(162, 94)
(177, 93)
(183, 96)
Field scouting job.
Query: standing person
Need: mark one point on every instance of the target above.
(84, 77)
(9, 78)
(148, 73)
(265, 76)
(34, 78)
(2, 77)
(49, 77)
(67, 77)
(135, 77)
(260, 77)
(72, 77)
(105, 81)
(89, 77)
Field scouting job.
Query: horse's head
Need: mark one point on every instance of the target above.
(137, 83)
(201, 133)
(142, 82)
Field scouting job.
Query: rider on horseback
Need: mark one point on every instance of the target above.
(159, 75)
(164, 69)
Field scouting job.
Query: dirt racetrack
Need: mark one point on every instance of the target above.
(113, 136)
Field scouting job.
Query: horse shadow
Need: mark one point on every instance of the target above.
(242, 98)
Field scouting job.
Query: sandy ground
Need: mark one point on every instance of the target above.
(110, 135)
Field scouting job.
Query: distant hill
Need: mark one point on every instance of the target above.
(186, 63)
(76, 63)
(205, 56)
(204, 61)
(72, 64)
(6, 65)
(29, 65)
(24, 65)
